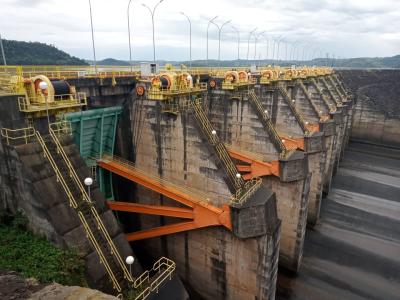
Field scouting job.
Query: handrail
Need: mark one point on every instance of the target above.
(86, 198)
(329, 91)
(221, 151)
(292, 108)
(7, 133)
(250, 187)
(60, 177)
(323, 97)
(202, 197)
(273, 134)
(307, 96)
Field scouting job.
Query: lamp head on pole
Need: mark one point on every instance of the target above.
(129, 260)
(88, 181)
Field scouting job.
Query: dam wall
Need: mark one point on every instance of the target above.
(376, 115)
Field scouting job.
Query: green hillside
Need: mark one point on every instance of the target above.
(35, 53)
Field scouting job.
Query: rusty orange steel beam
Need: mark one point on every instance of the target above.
(313, 127)
(256, 168)
(168, 211)
(204, 214)
(293, 143)
(160, 231)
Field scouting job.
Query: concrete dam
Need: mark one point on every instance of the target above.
(279, 183)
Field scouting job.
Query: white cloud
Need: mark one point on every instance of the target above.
(347, 28)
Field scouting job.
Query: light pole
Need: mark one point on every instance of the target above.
(129, 261)
(190, 38)
(277, 53)
(238, 39)
(88, 182)
(94, 50)
(2, 51)
(256, 36)
(211, 21)
(152, 12)
(44, 88)
(248, 42)
(129, 35)
(219, 38)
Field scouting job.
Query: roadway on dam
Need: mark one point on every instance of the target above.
(354, 251)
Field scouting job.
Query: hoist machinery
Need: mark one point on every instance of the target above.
(170, 84)
(235, 79)
(54, 95)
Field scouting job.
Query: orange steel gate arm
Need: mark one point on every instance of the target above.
(255, 168)
(201, 214)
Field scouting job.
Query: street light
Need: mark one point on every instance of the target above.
(190, 39)
(248, 42)
(211, 21)
(88, 182)
(129, 35)
(277, 52)
(256, 36)
(94, 50)
(238, 38)
(44, 88)
(152, 12)
(219, 38)
(129, 261)
(2, 51)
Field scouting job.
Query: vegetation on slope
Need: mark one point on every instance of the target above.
(35, 53)
(34, 256)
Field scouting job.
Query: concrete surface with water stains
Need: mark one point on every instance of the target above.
(354, 252)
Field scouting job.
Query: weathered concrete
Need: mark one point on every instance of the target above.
(172, 146)
(287, 123)
(103, 92)
(354, 252)
(376, 115)
(28, 183)
(238, 124)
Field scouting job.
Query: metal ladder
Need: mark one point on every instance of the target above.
(289, 102)
(335, 88)
(266, 121)
(218, 145)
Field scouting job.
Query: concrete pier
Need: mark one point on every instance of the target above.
(236, 119)
(213, 262)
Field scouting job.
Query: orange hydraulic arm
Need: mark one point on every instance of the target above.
(201, 213)
(255, 168)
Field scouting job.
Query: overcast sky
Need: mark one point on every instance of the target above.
(345, 28)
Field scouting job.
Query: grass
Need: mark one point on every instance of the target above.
(34, 256)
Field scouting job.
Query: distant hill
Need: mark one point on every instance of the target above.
(35, 53)
(361, 62)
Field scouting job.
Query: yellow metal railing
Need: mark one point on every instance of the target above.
(164, 268)
(273, 134)
(194, 194)
(34, 104)
(14, 135)
(74, 204)
(221, 151)
(331, 108)
(293, 109)
(308, 97)
(86, 197)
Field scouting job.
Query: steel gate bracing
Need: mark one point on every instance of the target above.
(199, 212)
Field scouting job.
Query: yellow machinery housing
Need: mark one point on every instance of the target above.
(58, 97)
(235, 79)
(170, 84)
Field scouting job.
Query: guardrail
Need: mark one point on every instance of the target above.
(12, 135)
(164, 268)
(33, 104)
